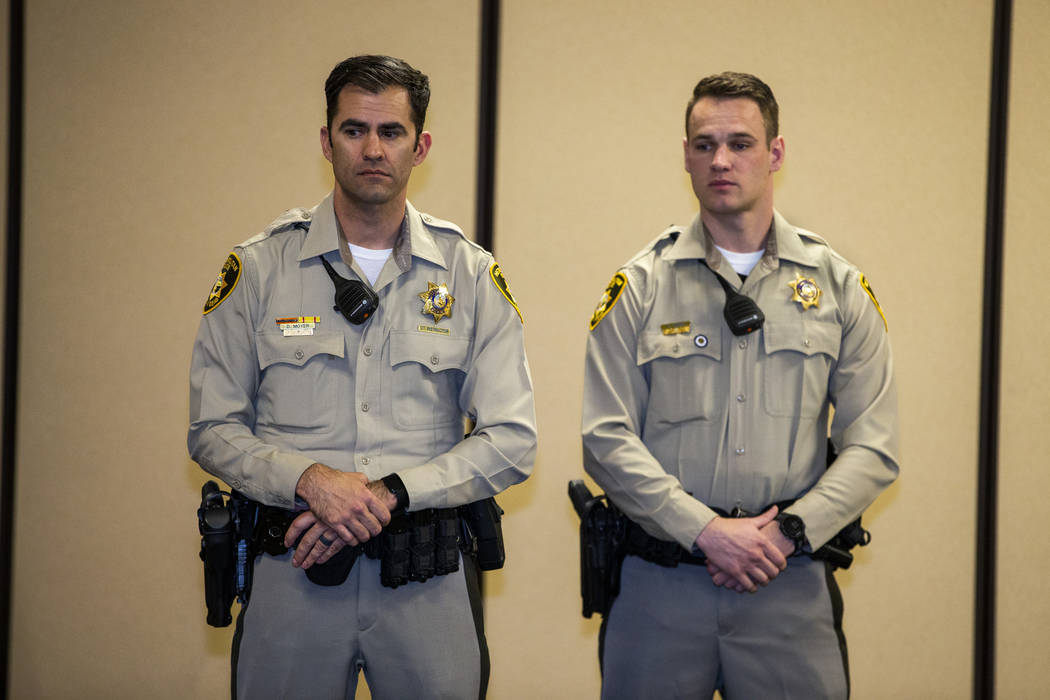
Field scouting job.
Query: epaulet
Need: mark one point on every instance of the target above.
(292, 219)
(666, 238)
(434, 222)
(809, 236)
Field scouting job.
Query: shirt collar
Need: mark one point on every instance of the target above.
(413, 239)
(783, 242)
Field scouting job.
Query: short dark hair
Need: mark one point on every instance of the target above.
(375, 74)
(728, 85)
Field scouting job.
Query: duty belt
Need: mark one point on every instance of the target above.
(412, 547)
(641, 544)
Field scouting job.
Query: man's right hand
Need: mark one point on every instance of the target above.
(740, 556)
(343, 502)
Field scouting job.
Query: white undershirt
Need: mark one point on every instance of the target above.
(370, 260)
(742, 263)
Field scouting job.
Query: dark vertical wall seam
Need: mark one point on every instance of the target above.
(12, 303)
(488, 96)
(988, 445)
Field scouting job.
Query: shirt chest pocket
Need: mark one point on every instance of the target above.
(299, 380)
(427, 372)
(684, 372)
(796, 367)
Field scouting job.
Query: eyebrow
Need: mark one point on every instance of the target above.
(397, 126)
(734, 135)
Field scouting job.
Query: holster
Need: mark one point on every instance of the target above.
(602, 548)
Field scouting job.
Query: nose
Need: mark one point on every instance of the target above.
(720, 160)
(373, 148)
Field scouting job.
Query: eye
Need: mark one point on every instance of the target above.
(702, 146)
(388, 133)
(740, 146)
(352, 131)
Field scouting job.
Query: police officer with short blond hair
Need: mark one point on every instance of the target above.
(705, 420)
(356, 412)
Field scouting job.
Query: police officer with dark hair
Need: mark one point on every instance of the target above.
(354, 413)
(714, 359)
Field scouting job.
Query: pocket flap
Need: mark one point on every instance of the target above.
(808, 337)
(433, 351)
(297, 350)
(652, 345)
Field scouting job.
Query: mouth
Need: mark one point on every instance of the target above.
(721, 184)
(373, 173)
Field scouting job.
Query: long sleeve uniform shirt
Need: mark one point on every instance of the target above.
(680, 415)
(279, 380)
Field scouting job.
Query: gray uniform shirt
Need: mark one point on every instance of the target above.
(680, 415)
(270, 395)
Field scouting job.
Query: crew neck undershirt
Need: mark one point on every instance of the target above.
(742, 263)
(370, 260)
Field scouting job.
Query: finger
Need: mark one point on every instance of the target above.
(345, 535)
(766, 517)
(325, 541)
(300, 525)
(307, 542)
(381, 513)
(364, 526)
(331, 551)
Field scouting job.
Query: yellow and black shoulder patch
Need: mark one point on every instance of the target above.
(224, 283)
(501, 284)
(612, 293)
(866, 286)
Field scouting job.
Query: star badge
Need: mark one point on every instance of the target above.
(437, 301)
(805, 291)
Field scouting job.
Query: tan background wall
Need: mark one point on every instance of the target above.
(1023, 632)
(159, 136)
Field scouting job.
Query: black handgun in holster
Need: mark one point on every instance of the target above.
(227, 524)
(836, 551)
(483, 533)
(603, 531)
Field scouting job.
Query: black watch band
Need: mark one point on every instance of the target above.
(793, 528)
(395, 486)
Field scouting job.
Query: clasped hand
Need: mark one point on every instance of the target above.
(745, 553)
(345, 509)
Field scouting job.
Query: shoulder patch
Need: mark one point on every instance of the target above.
(609, 298)
(501, 284)
(866, 286)
(224, 283)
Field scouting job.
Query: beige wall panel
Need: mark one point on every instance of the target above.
(1023, 610)
(159, 135)
(884, 113)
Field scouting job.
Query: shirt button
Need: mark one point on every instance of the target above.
(364, 407)
(806, 342)
(740, 398)
(675, 348)
(739, 451)
(742, 344)
(299, 354)
(434, 359)
(367, 351)
(365, 460)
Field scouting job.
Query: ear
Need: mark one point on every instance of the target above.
(685, 152)
(326, 144)
(776, 154)
(422, 148)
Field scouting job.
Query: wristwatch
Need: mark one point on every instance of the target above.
(793, 528)
(395, 486)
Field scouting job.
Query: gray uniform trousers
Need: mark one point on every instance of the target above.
(672, 633)
(296, 639)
